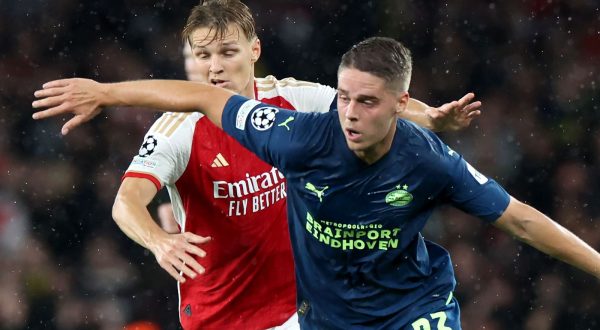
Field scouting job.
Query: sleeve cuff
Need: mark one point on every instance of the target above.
(147, 176)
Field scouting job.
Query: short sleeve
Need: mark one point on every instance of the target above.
(473, 192)
(278, 136)
(165, 151)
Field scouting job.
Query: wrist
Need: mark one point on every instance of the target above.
(107, 94)
(433, 123)
(154, 238)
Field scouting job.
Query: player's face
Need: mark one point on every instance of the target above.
(227, 62)
(367, 110)
(193, 70)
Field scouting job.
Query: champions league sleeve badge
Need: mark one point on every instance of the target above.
(263, 118)
(148, 146)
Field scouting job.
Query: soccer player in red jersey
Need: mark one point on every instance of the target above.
(223, 196)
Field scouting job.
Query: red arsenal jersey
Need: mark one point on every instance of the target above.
(221, 190)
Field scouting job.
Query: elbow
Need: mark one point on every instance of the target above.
(123, 201)
(521, 230)
(131, 200)
(118, 208)
(520, 221)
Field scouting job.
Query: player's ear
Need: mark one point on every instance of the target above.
(255, 50)
(402, 102)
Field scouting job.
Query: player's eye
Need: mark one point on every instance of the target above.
(202, 55)
(229, 53)
(369, 102)
(343, 98)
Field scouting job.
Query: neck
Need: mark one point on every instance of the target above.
(248, 91)
(371, 156)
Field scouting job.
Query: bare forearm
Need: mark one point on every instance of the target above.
(131, 214)
(544, 234)
(415, 112)
(135, 222)
(173, 252)
(168, 95)
(555, 240)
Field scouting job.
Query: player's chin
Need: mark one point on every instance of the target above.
(354, 145)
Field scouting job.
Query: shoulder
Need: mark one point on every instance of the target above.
(270, 82)
(424, 146)
(173, 127)
(295, 94)
(170, 122)
(269, 87)
(418, 136)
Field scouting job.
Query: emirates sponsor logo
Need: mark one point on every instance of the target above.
(250, 185)
(252, 194)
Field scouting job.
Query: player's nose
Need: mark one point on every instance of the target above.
(351, 112)
(215, 65)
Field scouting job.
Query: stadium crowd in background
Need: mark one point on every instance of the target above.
(536, 73)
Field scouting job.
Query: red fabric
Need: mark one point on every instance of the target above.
(143, 176)
(249, 263)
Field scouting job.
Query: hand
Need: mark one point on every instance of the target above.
(80, 97)
(174, 253)
(454, 115)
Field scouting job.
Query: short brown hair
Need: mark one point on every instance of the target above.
(383, 57)
(217, 15)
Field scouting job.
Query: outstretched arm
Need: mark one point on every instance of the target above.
(84, 98)
(451, 116)
(534, 228)
(174, 252)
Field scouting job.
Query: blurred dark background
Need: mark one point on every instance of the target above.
(534, 64)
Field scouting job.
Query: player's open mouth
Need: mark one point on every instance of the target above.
(352, 135)
(219, 82)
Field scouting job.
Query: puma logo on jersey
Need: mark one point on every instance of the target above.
(219, 161)
(319, 192)
(287, 121)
